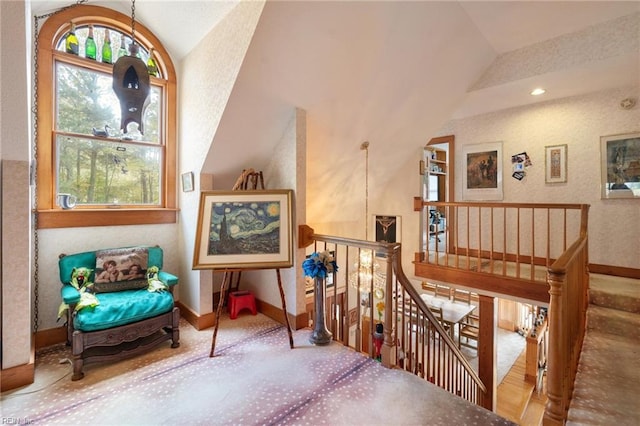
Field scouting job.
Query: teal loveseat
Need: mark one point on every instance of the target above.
(121, 315)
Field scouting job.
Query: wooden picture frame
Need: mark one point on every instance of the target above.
(244, 230)
(387, 229)
(620, 165)
(482, 174)
(187, 182)
(555, 163)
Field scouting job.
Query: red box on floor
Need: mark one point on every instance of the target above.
(239, 300)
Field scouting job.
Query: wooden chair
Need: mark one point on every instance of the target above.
(462, 296)
(443, 291)
(429, 287)
(437, 312)
(127, 320)
(469, 331)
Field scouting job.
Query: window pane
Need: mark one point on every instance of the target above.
(86, 101)
(105, 172)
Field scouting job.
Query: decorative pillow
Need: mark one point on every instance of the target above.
(121, 269)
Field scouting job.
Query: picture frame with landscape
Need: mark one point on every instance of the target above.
(620, 165)
(244, 230)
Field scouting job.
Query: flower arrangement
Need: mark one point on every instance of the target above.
(319, 265)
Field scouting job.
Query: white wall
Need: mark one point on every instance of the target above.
(579, 122)
(16, 200)
(175, 239)
(614, 225)
(286, 171)
(206, 79)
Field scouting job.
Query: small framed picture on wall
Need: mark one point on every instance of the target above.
(555, 163)
(387, 228)
(187, 182)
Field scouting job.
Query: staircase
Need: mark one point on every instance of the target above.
(608, 378)
(518, 400)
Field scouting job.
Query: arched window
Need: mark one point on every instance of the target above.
(118, 177)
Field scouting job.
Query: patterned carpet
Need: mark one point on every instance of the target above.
(254, 379)
(606, 387)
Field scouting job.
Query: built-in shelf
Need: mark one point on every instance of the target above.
(434, 173)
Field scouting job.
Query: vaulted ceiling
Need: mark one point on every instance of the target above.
(389, 72)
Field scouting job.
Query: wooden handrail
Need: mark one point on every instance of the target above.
(568, 278)
(450, 371)
(484, 237)
(555, 243)
(415, 297)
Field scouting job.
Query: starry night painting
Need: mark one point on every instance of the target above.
(251, 227)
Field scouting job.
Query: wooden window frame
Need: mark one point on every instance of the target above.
(49, 214)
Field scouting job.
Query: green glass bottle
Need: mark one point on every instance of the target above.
(122, 51)
(90, 45)
(152, 67)
(71, 42)
(106, 48)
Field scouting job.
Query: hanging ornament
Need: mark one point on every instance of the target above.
(131, 83)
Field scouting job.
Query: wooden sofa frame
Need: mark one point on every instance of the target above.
(120, 342)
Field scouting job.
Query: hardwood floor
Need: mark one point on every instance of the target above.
(518, 400)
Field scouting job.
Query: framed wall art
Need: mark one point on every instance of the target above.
(244, 230)
(187, 182)
(387, 228)
(482, 176)
(620, 165)
(555, 163)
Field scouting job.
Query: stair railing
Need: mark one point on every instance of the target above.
(568, 278)
(536, 252)
(412, 338)
(516, 241)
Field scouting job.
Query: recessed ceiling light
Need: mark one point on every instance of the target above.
(538, 91)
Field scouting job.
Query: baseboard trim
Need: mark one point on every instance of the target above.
(275, 313)
(18, 376)
(199, 322)
(618, 271)
(51, 336)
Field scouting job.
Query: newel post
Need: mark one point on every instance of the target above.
(555, 412)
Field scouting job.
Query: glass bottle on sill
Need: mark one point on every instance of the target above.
(90, 45)
(122, 51)
(71, 42)
(152, 67)
(107, 53)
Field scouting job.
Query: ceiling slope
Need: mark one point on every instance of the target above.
(389, 72)
(394, 72)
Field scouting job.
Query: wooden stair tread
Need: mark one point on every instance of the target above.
(514, 393)
(535, 410)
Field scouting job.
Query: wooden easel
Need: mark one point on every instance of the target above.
(247, 177)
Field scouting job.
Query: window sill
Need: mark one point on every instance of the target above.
(104, 217)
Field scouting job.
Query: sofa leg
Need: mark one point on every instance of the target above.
(78, 363)
(175, 328)
(76, 350)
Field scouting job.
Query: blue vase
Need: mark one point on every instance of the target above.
(320, 334)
